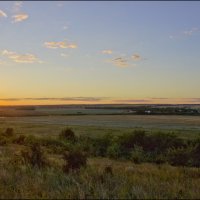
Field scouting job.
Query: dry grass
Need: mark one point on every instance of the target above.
(143, 181)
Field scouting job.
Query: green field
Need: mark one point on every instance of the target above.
(188, 126)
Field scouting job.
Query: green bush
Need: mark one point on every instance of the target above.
(54, 145)
(20, 139)
(74, 160)
(68, 135)
(9, 132)
(3, 140)
(114, 151)
(34, 156)
(160, 159)
(127, 141)
(160, 142)
(31, 140)
(196, 154)
(101, 144)
(179, 157)
(137, 154)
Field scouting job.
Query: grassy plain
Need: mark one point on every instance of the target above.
(185, 126)
(129, 180)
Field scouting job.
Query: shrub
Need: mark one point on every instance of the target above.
(128, 140)
(196, 154)
(160, 142)
(86, 144)
(31, 140)
(68, 135)
(19, 139)
(101, 144)
(9, 132)
(137, 154)
(54, 145)
(114, 151)
(34, 156)
(160, 159)
(74, 160)
(3, 140)
(179, 157)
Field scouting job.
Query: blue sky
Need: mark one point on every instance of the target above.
(113, 51)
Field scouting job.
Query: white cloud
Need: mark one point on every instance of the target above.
(21, 58)
(62, 45)
(107, 51)
(20, 17)
(3, 14)
(64, 55)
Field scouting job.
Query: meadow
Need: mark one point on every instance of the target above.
(112, 156)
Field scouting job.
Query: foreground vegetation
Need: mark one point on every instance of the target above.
(135, 164)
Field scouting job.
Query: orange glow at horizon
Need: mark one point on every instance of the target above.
(110, 101)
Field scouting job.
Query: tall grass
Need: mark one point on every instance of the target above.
(99, 176)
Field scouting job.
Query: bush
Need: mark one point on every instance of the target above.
(3, 140)
(31, 140)
(9, 132)
(86, 144)
(34, 156)
(74, 160)
(128, 140)
(137, 154)
(19, 139)
(68, 135)
(160, 159)
(179, 157)
(160, 142)
(101, 144)
(196, 154)
(114, 151)
(54, 145)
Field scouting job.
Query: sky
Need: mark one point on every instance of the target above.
(71, 52)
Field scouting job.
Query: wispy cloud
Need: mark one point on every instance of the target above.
(17, 6)
(120, 62)
(123, 60)
(3, 14)
(65, 27)
(64, 55)
(83, 99)
(159, 101)
(136, 57)
(20, 17)
(62, 45)
(107, 51)
(132, 101)
(191, 31)
(186, 33)
(20, 58)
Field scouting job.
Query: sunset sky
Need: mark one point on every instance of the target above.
(99, 52)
